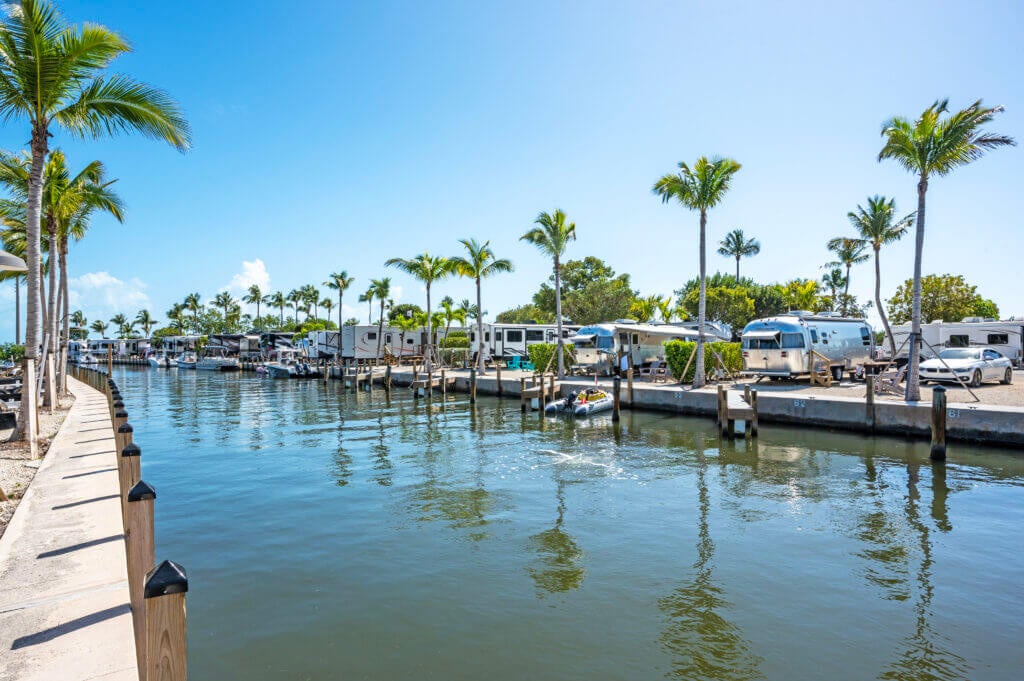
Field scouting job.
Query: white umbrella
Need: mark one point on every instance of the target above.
(12, 263)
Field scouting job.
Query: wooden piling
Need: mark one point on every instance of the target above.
(110, 360)
(541, 396)
(497, 370)
(869, 402)
(551, 387)
(165, 589)
(139, 548)
(616, 387)
(629, 383)
(522, 394)
(387, 378)
(938, 452)
(472, 385)
(753, 405)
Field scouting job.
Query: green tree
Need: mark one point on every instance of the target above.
(295, 299)
(225, 302)
(848, 252)
(52, 75)
(876, 226)
(524, 314)
(479, 263)
(801, 294)
(351, 321)
(194, 305)
(278, 300)
(934, 145)
(834, 279)
(645, 309)
(737, 245)
(731, 305)
(552, 236)
(146, 321)
(381, 290)
(403, 310)
(100, 327)
(340, 282)
(943, 296)
(176, 315)
(701, 188)
(78, 319)
(428, 269)
(254, 296)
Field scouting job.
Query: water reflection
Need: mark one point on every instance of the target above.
(558, 567)
(698, 635)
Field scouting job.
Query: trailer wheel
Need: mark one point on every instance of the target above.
(1008, 376)
(837, 374)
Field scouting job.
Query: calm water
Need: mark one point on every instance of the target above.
(332, 535)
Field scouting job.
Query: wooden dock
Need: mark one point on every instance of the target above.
(736, 408)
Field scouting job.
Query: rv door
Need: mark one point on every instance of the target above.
(499, 343)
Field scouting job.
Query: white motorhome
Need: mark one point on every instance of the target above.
(359, 342)
(781, 346)
(601, 347)
(1005, 336)
(175, 345)
(507, 340)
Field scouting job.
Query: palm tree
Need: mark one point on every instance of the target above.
(644, 309)
(340, 282)
(193, 305)
(877, 225)
(701, 188)
(405, 325)
(666, 309)
(311, 296)
(849, 252)
(176, 315)
(478, 264)
(428, 269)
(78, 319)
(327, 304)
(124, 327)
(295, 297)
(380, 289)
(52, 74)
(368, 299)
(934, 145)
(737, 245)
(225, 302)
(277, 299)
(834, 279)
(100, 327)
(146, 321)
(254, 296)
(552, 236)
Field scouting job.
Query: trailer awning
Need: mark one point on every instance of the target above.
(766, 334)
(582, 338)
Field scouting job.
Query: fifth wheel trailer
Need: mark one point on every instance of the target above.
(1007, 337)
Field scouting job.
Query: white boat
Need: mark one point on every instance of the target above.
(161, 361)
(186, 360)
(583, 403)
(87, 359)
(290, 368)
(215, 358)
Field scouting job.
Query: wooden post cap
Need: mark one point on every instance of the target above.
(130, 449)
(938, 389)
(125, 427)
(121, 414)
(166, 578)
(141, 492)
(118, 404)
(111, 383)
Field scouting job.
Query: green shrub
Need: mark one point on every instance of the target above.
(10, 351)
(453, 341)
(677, 354)
(454, 357)
(540, 353)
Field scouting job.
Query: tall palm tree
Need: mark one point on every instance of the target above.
(225, 302)
(552, 236)
(52, 75)
(254, 296)
(340, 282)
(834, 279)
(380, 289)
(146, 321)
(124, 326)
(645, 308)
(295, 297)
(478, 264)
(666, 309)
(78, 319)
(934, 144)
(701, 188)
(327, 304)
(311, 296)
(876, 226)
(100, 327)
(367, 298)
(193, 305)
(848, 252)
(277, 299)
(428, 269)
(176, 316)
(737, 245)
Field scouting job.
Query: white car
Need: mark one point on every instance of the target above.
(969, 365)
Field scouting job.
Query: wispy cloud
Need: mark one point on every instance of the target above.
(100, 295)
(254, 272)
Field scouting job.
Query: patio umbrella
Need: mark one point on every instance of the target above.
(12, 263)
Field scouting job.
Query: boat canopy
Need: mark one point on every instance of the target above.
(759, 334)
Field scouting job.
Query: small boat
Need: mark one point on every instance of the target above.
(583, 403)
(290, 368)
(186, 360)
(161, 361)
(215, 358)
(87, 359)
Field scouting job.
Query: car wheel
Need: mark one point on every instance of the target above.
(837, 374)
(1008, 376)
(976, 378)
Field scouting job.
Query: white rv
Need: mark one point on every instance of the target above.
(507, 340)
(1007, 337)
(601, 347)
(780, 346)
(359, 342)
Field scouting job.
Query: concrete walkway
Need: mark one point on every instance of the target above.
(64, 612)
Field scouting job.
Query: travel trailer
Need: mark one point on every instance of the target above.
(1006, 337)
(600, 348)
(175, 345)
(780, 346)
(506, 340)
(359, 342)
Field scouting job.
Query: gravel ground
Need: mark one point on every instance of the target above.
(16, 470)
(988, 393)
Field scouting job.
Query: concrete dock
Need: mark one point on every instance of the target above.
(64, 613)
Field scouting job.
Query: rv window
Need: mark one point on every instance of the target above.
(764, 343)
(487, 336)
(513, 336)
(959, 342)
(998, 339)
(605, 342)
(387, 338)
(534, 335)
(814, 335)
(497, 335)
(792, 340)
(472, 336)
(865, 335)
(410, 342)
(372, 335)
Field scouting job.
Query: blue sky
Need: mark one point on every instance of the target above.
(333, 136)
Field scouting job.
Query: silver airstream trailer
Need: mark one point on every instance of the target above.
(780, 346)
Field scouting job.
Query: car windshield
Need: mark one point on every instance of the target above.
(960, 353)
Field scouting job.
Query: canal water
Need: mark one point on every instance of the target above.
(337, 535)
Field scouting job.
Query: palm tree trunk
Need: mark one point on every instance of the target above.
(66, 320)
(913, 392)
(50, 379)
(737, 270)
(698, 374)
(17, 310)
(878, 302)
(558, 316)
(430, 330)
(338, 356)
(481, 361)
(380, 328)
(846, 290)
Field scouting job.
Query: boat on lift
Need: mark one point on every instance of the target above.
(581, 403)
(186, 360)
(161, 361)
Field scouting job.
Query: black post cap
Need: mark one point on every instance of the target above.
(142, 491)
(938, 389)
(125, 428)
(118, 404)
(166, 578)
(121, 414)
(131, 449)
